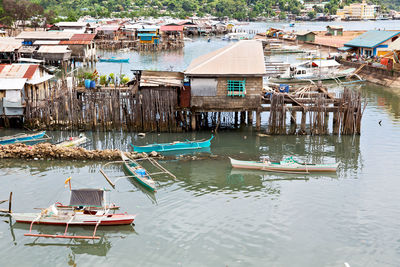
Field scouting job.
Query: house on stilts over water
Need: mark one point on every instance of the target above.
(229, 79)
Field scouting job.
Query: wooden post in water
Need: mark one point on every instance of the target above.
(250, 117)
(258, 120)
(335, 124)
(242, 117)
(303, 123)
(236, 118)
(193, 120)
(293, 122)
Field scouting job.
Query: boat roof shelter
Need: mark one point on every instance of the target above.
(373, 43)
(87, 197)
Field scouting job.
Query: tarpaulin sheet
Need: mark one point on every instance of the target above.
(86, 197)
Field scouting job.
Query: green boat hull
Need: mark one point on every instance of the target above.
(137, 178)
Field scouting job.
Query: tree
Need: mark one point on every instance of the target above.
(312, 14)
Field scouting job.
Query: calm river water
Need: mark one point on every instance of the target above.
(216, 216)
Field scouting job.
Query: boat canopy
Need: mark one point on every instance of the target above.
(325, 63)
(87, 197)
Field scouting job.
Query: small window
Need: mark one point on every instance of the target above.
(299, 72)
(303, 71)
(236, 88)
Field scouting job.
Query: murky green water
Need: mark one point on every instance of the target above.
(216, 216)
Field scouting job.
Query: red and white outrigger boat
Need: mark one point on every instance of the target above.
(86, 207)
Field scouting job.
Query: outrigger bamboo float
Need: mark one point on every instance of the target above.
(86, 207)
(24, 138)
(138, 172)
(74, 141)
(289, 165)
(177, 145)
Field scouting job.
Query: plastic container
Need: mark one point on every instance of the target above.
(87, 83)
(141, 172)
(92, 84)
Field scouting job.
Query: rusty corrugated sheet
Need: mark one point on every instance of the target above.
(82, 37)
(30, 71)
(1, 68)
(75, 42)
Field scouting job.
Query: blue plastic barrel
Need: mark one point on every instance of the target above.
(93, 84)
(87, 83)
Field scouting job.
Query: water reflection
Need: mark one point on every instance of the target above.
(98, 247)
(385, 98)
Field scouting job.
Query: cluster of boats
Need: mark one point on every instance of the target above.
(89, 206)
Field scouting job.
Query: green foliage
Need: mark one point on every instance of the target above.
(311, 14)
(103, 79)
(238, 9)
(124, 80)
(112, 78)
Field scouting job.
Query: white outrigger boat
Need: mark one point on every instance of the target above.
(74, 141)
(86, 207)
(313, 70)
(289, 165)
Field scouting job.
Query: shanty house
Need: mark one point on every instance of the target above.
(334, 30)
(372, 43)
(189, 27)
(171, 33)
(72, 26)
(230, 78)
(20, 81)
(54, 53)
(148, 36)
(82, 46)
(305, 36)
(9, 49)
(109, 32)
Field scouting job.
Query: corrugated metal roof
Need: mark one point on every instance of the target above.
(171, 28)
(82, 37)
(18, 70)
(71, 24)
(54, 49)
(46, 42)
(371, 39)
(147, 30)
(12, 84)
(75, 42)
(108, 28)
(146, 34)
(40, 79)
(242, 58)
(42, 35)
(301, 33)
(10, 47)
(161, 78)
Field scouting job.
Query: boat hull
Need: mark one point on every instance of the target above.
(145, 182)
(125, 60)
(22, 138)
(300, 168)
(189, 145)
(112, 219)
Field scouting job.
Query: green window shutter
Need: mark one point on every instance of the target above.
(236, 88)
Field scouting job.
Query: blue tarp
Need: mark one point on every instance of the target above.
(146, 34)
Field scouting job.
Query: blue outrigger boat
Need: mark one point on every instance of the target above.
(114, 60)
(177, 145)
(22, 138)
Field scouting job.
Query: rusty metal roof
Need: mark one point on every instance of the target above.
(82, 37)
(75, 42)
(18, 70)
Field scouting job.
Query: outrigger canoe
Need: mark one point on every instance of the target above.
(114, 60)
(86, 207)
(21, 138)
(287, 165)
(138, 173)
(74, 141)
(177, 145)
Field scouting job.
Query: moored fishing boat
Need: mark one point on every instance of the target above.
(287, 165)
(22, 138)
(136, 171)
(177, 145)
(86, 207)
(74, 141)
(114, 59)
